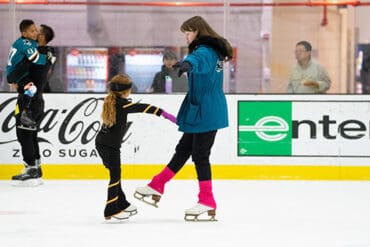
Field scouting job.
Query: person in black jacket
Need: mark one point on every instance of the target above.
(116, 107)
(178, 84)
(32, 174)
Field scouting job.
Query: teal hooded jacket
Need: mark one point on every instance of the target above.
(204, 107)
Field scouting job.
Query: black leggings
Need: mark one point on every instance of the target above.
(111, 158)
(116, 200)
(197, 145)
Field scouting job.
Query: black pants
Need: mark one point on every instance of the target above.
(28, 139)
(29, 145)
(116, 201)
(197, 145)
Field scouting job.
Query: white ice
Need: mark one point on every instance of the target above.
(250, 213)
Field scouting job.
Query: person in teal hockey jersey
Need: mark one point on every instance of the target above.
(22, 54)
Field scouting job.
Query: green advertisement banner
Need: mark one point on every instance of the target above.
(264, 128)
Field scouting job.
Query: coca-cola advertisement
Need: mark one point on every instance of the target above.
(71, 121)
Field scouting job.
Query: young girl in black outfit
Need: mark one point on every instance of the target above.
(108, 141)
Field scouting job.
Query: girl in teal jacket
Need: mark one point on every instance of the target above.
(202, 113)
(204, 107)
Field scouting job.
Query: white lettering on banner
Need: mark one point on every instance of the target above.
(260, 128)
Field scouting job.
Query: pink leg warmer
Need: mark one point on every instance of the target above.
(161, 179)
(205, 195)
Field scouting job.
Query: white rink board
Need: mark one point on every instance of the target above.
(71, 122)
(334, 141)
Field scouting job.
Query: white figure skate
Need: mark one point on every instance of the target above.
(193, 214)
(148, 195)
(123, 215)
(132, 210)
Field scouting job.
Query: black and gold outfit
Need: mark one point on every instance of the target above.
(108, 144)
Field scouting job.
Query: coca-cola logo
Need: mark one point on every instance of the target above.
(79, 124)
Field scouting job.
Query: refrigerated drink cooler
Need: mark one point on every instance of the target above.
(87, 69)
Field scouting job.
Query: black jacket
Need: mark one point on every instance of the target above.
(39, 73)
(179, 84)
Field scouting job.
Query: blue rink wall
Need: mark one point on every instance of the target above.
(281, 137)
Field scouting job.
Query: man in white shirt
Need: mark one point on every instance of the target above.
(307, 75)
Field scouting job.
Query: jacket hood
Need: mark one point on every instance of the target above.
(215, 43)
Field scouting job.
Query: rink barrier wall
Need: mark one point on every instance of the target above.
(237, 172)
(280, 137)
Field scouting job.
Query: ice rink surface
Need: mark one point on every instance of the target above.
(250, 213)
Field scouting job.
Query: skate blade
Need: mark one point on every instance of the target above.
(27, 128)
(132, 213)
(154, 199)
(203, 217)
(121, 216)
(27, 183)
(113, 219)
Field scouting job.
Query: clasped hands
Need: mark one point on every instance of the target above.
(183, 67)
(311, 83)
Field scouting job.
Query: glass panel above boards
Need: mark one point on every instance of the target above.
(87, 69)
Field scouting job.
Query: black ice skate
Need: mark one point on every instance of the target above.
(148, 195)
(38, 165)
(30, 177)
(197, 213)
(27, 121)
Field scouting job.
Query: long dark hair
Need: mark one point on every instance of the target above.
(199, 25)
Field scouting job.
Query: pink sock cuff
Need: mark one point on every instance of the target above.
(205, 195)
(158, 182)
